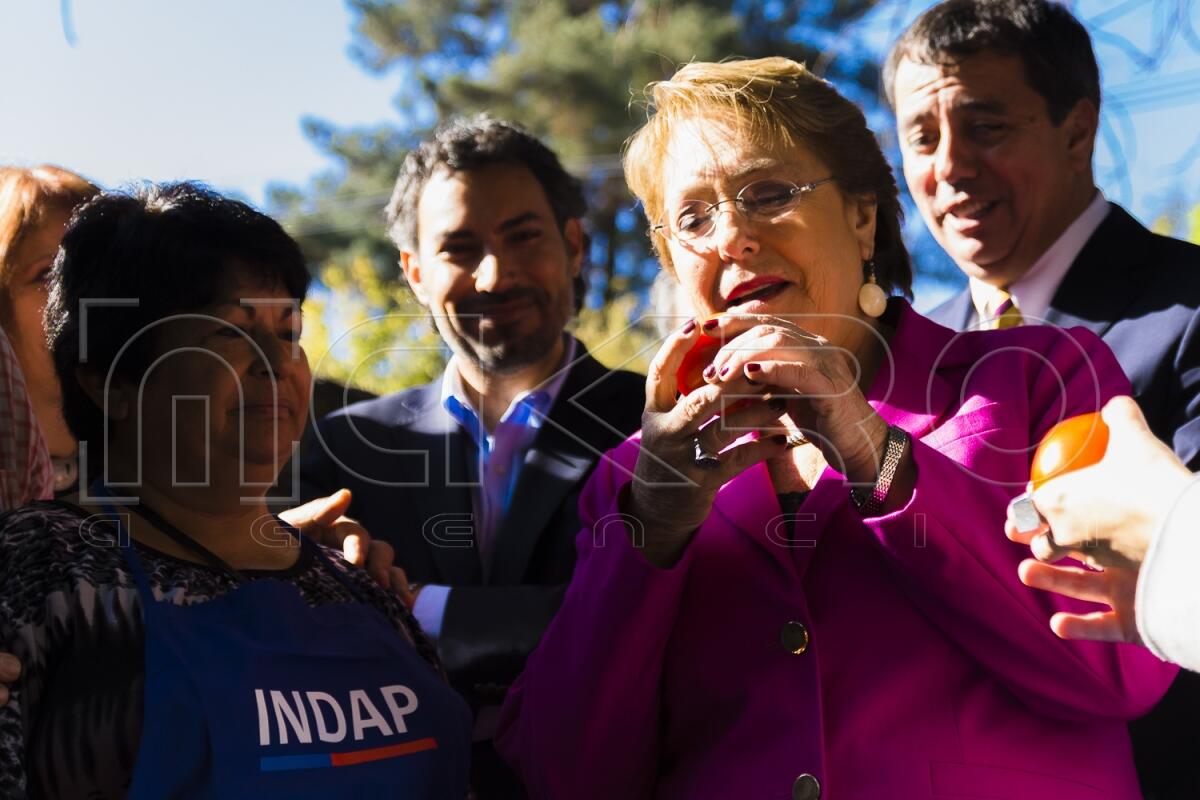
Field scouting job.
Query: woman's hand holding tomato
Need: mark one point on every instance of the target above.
(792, 371)
(820, 380)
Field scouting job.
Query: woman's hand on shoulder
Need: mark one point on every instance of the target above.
(323, 520)
(672, 494)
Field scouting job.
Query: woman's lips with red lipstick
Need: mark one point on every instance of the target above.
(755, 289)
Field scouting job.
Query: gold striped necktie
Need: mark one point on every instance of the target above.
(1004, 312)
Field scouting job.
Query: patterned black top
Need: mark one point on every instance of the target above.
(69, 609)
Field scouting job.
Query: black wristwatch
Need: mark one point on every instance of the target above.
(869, 501)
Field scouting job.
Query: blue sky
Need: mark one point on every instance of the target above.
(161, 89)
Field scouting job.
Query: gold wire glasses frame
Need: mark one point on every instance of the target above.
(759, 201)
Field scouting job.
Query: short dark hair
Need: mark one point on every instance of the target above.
(175, 247)
(1052, 44)
(474, 143)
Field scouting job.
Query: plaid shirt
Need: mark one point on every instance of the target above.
(26, 473)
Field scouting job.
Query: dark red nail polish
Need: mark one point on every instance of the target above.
(711, 324)
(710, 372)
(724, 371)
(754, 366)
(689, 327)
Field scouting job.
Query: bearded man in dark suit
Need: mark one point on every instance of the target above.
(474, 479)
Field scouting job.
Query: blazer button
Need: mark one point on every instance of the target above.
(806, 787)
(794, 638)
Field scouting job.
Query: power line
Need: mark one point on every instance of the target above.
(1182, 88)
(1157, 99)
(1157, 81)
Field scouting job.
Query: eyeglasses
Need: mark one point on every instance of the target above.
(764, 200)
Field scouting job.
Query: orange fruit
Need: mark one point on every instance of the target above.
(1072, 444)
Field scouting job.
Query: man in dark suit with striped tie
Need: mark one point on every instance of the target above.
(997, 106)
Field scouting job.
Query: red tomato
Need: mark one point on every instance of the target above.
(690, 375)
(1072, 444)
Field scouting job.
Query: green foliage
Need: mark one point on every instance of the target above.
(571, 71)
(382, 341)
(365, 331)
(1180, 221)
(577, 92)
(617, 336)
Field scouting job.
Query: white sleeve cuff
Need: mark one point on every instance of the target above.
(430, 608)
(1167, 604)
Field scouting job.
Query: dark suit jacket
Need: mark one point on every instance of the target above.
(1140, 292)
(408, 464)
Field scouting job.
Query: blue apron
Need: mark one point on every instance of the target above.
(255, 694)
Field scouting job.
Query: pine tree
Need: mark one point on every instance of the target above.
(571, 71)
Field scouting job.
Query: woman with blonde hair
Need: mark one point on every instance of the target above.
(35, 204)
(808, 593)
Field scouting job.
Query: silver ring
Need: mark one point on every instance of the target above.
(703, 458)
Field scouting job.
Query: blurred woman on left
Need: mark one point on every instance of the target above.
(25, 473)
(35, 204)
(178, 639)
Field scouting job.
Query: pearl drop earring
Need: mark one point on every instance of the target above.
(871, 297)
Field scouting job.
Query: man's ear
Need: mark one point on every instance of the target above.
(117, 404)
(410, 265)
(1080, 127)
(574, 238)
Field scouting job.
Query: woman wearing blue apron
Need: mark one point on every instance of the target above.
(255, 694)
(178, 639)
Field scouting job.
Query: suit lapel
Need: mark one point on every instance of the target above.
(750, 504)
(564, 450)
(1102, 281)
(443, 504)
(911, 390)
(957, 313)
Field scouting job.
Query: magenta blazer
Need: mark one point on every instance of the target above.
(930, 670)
